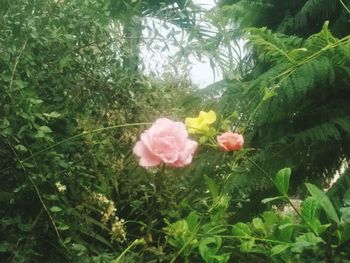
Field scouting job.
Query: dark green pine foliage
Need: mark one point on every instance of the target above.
(295, 97)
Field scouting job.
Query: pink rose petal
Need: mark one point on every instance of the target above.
(165, 142)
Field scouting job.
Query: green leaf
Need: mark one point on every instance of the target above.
(247, 246)
(208, 247)
(345, 214)
(4, 123)
(310, 212)
(97, 237)
(297, 52)
(346, 198)
(270, 199)
(21, 148)
(36, 101)
(192, 221)
(212, 186)
(279, 249)
(6, 246)
(55, 209)
(268, 93)
(282, 180)
(324, 202)
(305, 241)
(45, 129)
(63, 226)
(53, 115)
(241, 230)
(259, 225)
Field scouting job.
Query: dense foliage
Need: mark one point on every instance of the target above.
(74, 100)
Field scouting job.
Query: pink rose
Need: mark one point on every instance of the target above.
(165, 142)
(230, 141)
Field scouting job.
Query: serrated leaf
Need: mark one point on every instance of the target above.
(324, 201)
(310, 210)
(281, 180)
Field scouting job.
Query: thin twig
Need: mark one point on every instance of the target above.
(16, 63)
(346, 8)
(38, 194)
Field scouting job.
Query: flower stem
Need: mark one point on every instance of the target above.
(273, 182)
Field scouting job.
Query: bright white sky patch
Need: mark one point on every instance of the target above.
(157, 55)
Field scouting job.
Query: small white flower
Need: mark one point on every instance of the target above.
(60, 187)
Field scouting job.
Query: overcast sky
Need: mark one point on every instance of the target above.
(157, 61)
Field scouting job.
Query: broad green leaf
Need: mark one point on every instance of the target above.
(212, 186)
(279, 249)
(192, 221)
(241, 230)
(281, 180)
(310, 210)
(270, 217)
(324, 201)
(259, 225)
(285, 233)
(270, 199)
